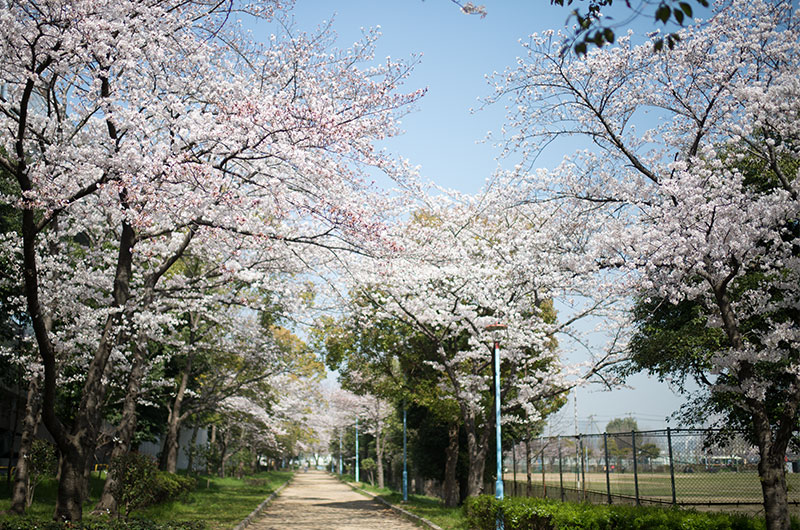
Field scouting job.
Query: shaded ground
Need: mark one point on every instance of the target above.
(315, 500)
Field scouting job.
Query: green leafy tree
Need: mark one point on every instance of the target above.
(368, 465)
(42, 462)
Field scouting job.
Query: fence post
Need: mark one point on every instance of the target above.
(671, 466)
(635, 467)
(582, 468)
(560, 470)
(608, 476)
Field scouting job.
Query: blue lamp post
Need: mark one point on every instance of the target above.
(405, 459)
(494, 329)
(340, 451)
(357, 480)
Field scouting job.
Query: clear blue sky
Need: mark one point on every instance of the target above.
(441, 135)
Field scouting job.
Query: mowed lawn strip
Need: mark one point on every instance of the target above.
(217, 502)
(431, 508)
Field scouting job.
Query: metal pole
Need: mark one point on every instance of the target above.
(608, 476)
(583, 467)
(560, 470)
(635, 467)
(340, 451)
(357, 476)
(405, 459)
(499, 484)
(671, 466)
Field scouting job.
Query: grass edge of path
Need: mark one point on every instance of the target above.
(420, 509)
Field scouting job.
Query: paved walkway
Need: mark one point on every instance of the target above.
(315, 500)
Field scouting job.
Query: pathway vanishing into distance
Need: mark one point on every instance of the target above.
(315, 500)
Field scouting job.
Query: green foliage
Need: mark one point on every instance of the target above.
(625, 425)
(539, 514)
(43, 462)
(369, 466)
(137, 477)
(593, 28)
(33, 523)
(169, 486)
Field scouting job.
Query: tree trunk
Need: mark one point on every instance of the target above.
(771, 471)
(169, 454)
(773, 484)
(169, 457)
(379, 443)
(451, 493)
(477, 449)
(211, 443)
(19, 495)
(223, 453)
(771, 446)
(192, 449)
(17, 418)
(70, 485)
(126, 427)
(529, 477)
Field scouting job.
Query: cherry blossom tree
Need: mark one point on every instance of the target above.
(683, 220)
(467, 262)
(160, 125)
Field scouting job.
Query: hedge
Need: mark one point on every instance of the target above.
(521, 513)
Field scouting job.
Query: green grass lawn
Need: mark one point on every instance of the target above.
(217, 502)
(431, 508)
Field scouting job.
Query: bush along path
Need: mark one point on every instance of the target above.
(520, 513)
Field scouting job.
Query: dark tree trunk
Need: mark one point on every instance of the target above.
(529, 487)
(451, 493)
(192, 449)
(70, 484)
(20, 494)
(771, 471)
(379, 443)
(773, 485)
(169, 456)
(771, 445)
(212, 441)
(477, 449)
(126, 427)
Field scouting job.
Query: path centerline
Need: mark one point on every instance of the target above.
(315, 500)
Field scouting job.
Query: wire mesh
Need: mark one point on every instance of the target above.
(673, 466)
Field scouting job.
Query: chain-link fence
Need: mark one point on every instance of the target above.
(672, 466)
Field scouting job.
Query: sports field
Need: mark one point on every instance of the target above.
(690, 488)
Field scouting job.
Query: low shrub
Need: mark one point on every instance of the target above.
(136, 477)
(169, 486)
(539, 514)
(30, 523)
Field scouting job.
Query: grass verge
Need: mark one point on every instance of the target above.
(216, 502)
(431, 508)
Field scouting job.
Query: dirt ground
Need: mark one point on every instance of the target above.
(315, 500)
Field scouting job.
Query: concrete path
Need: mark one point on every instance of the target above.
(315, 500)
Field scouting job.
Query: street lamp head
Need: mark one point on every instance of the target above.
(497, 326)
